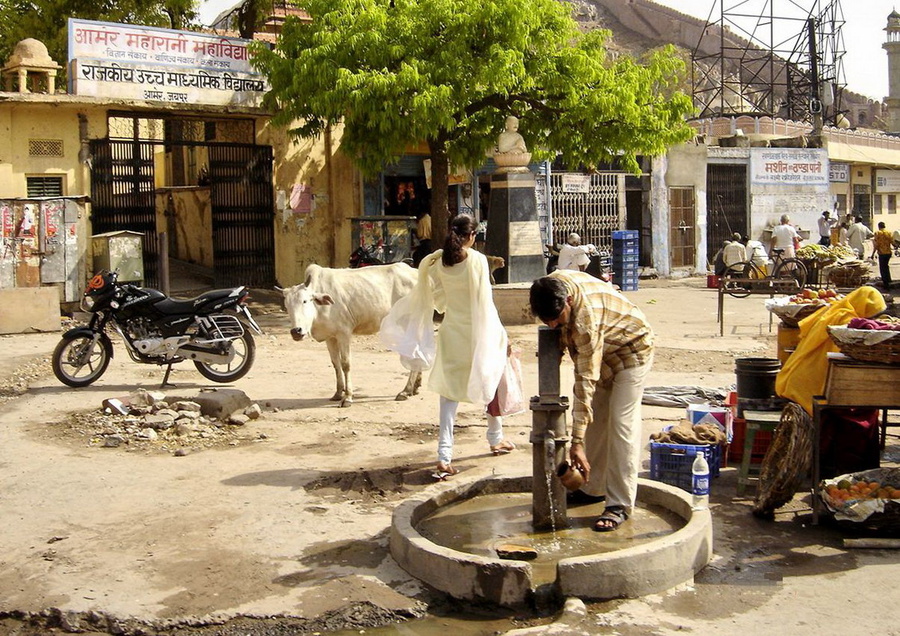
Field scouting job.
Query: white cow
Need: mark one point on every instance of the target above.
(333, 304)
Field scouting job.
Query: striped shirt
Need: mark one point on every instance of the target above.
(606, 333)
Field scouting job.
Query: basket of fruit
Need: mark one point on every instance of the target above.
(868, 339)
(867, 501)
(849, 274)
(795, 308)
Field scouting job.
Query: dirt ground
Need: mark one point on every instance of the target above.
(280, 526)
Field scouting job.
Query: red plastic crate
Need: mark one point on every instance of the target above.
(761, 442)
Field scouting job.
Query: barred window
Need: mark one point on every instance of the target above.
(44, 187)
(45, 148)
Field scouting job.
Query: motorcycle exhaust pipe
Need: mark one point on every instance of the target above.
(209, 357)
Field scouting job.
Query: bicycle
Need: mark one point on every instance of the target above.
(740, 278)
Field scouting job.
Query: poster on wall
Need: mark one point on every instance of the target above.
(789, 166)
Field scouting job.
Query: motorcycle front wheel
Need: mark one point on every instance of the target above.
(79, 360)
(244, 354)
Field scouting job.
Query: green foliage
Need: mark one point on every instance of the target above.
(47, 20)
(448, 72)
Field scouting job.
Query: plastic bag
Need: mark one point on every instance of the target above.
(510, 396)
(408, 329)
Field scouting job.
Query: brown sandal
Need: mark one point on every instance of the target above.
(503, 448)
(611, 519)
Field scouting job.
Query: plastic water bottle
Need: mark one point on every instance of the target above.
(700, 482)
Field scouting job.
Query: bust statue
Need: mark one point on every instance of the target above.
(510, 141)
(511, 154)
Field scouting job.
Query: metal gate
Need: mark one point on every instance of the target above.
(122, 195)
(240, 179)
(594, 214)
(726, 204)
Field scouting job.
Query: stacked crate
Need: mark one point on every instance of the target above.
(625, 259)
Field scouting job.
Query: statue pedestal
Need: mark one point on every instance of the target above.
(513, 231)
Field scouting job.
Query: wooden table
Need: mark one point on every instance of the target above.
(849, 382)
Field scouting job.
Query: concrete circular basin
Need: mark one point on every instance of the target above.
(654, 565)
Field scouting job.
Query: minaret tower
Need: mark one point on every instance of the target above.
(892, 46)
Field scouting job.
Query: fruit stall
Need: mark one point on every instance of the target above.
(862, 378)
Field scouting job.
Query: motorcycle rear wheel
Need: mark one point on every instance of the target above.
(244, 355)
(77, 354)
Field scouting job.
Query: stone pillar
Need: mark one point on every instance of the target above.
(513, 231)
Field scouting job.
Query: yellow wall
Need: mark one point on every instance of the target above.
(323, 235)
(191, 223)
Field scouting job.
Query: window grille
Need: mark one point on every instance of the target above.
(45, 148)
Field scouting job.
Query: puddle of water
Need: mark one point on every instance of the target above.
(480, 524)
(458, 625)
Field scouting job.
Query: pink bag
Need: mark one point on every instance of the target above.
(510, 396)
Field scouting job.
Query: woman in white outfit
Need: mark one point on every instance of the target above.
(471, 341)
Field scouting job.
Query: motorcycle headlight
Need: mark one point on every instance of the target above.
(87, 303)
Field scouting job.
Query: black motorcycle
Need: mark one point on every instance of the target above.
(210, 330)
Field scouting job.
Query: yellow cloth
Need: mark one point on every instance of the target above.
(803, 375)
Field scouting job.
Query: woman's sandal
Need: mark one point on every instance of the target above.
(611, 519)
(443, 471)
(503, 448)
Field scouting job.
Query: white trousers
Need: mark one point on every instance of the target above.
(613, 441)
(445, 435)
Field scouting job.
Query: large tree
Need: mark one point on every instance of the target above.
(47, 20)
(396, 73)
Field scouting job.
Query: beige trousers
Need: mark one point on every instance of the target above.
(613, 441)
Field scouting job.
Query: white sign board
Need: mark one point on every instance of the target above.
(839, 172)
(138, 62)
(576, 183)
(789, 166)
(887, 181)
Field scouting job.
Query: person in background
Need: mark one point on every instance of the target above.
(784, 237)
(826, 223)
(884, 246)
(423, 234)
(734, 251)
(575, 256)
(611, 345)
(857, 234)
(756, 253)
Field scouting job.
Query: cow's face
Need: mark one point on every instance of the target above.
(302, 305)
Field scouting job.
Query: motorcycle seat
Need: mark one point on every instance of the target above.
(173, 307)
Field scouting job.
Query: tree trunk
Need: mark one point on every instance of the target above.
(440, 171)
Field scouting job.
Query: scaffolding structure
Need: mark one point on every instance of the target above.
(781, 58)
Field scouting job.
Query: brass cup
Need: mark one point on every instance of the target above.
(570, 476)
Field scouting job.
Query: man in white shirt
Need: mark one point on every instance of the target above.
(734, 251)
(783, 237)
(575, 256)
(856, 234)
(826, 223)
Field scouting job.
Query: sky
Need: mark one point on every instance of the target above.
(865, 62)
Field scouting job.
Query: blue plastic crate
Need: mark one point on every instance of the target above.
(625, 250)
(625, 278)
(624, 234)
(625, 259)
(628, 260)
(672, 463)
